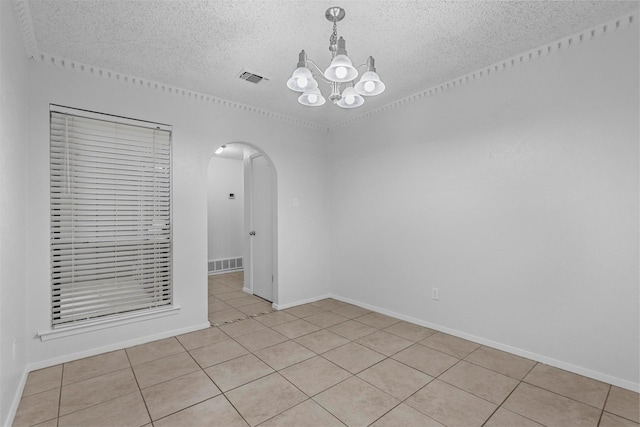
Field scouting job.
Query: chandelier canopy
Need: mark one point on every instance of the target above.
(341, 75)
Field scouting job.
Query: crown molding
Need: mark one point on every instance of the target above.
(168, 89)
(25, 24)
(567, 42)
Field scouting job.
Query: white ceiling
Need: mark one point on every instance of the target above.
(203, 45)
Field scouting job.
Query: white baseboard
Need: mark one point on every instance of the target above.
(113, 347)
(16, 399)
(629, 385)
(300, 302)
(247, 290)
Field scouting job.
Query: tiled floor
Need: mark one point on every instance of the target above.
(321, 364)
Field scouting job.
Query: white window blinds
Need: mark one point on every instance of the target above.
(110, 216)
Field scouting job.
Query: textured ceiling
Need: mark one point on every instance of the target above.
(203, 45)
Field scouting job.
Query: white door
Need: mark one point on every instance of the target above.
(262, 228)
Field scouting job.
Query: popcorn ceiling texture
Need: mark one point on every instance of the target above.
(201, 46)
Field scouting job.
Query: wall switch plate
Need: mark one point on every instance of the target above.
(435, 293)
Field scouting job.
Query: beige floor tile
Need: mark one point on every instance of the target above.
(128, 410)
(355, 402)
(276, 318)
(265, 398)
(384, 342)
(500, 361)
(226, 316)
(236, 372)
(261, 339)
(179, 393)
(395, 378)
(217, 289)
(241, 302)
(164, 369)
(504, 418)
(94, 366)
(242, 327)
(450, 405)
(425, 359)
(256, 309)
(405, 416)
(154, 350)
(449, 344)
(350, 311)
(217, 305)
(409, 331)
(352, 330)
(43, 380)
(353, 357)
(304, 310)
(321, 341)
(480, 381)
(550, 409)
(624, 403)
(328, 304)
(201, 338)
(96, 390)
(217, 353)
(315, 375)
(215, 412)
(296, 329)
(285, 354)
(232, 295)
(568, 384)
(307, 414)
(49, 423)
(377, 320)
(326, 319)
(610, 420)
(37, 408)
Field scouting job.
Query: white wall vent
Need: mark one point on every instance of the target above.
(251, 77)
(224, 265)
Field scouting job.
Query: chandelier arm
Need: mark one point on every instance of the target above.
(321, 74)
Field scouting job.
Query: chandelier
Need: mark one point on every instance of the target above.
(341, 75)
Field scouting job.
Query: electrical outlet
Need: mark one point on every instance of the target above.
(435, 293)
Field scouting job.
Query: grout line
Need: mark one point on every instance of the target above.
(604, 405)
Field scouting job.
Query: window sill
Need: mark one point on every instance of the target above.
(105, 324)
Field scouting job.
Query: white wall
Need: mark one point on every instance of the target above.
(517, 196)
(199, 127)
(225, 216)
(13, 208)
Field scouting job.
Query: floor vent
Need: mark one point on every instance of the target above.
(251, 77)
(224, 265)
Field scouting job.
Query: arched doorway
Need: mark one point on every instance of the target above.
(258, 224)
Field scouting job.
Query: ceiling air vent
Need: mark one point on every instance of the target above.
(251, 77)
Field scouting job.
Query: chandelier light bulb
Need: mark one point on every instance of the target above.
(313, 98)
(303, 82)
(350, 99)
(369, 86)
(341, 72)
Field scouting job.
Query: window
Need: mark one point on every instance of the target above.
(111, 240)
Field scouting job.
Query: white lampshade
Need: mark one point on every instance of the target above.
(341, 70)
(302, 80)
(350, 99)
(369, 84)
(312, 98)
